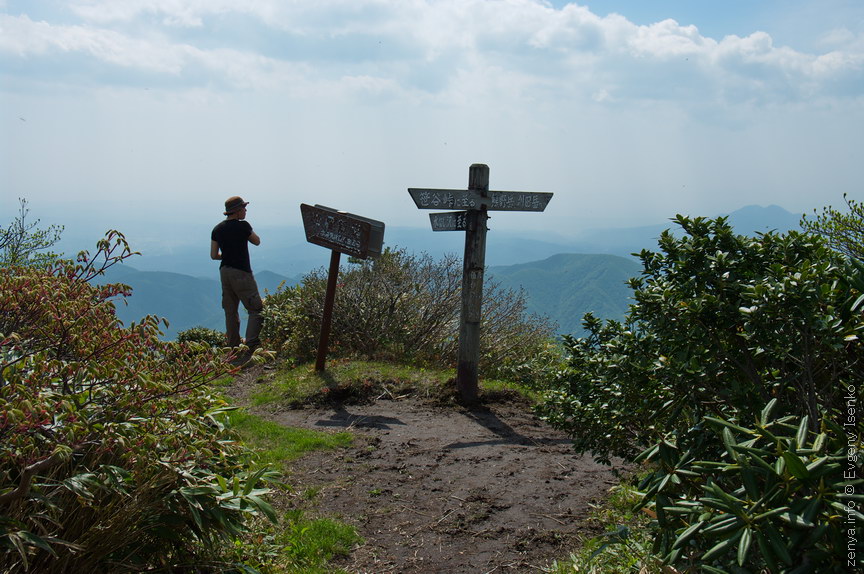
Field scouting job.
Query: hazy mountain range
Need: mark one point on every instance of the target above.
(563, 278)
(183, 300)
(566, 286)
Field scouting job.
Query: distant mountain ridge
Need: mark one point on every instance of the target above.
(183, 300)
(285, 251)
(563, 279)
(566, 286)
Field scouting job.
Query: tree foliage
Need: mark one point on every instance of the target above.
(24, 243)
(114, 455)
(843, 230)
(402, 307)
(723, 325)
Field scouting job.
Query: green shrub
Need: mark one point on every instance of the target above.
(779, 499)
(721, 324)
(404, 308)
(725, 330)
(114, 455)
(209, 337)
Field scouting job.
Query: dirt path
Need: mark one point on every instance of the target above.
(447, 489)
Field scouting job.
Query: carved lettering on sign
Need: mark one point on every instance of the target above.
(343, 232)
(445, 199)
(472, 199)
(449, 221)
(518, 200)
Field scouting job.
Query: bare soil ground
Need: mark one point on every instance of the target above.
(447, 489)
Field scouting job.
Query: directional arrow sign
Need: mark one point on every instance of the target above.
(446, 198)
(518, 200)
(471, 199)
(449, 221)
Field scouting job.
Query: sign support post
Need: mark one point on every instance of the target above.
(476, 201)
(327, 315)
(473, 266)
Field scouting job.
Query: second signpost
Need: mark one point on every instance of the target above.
(341, 232)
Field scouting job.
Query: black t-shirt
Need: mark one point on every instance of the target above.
(232, 235)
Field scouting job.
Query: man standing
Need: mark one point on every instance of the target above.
(229, 243)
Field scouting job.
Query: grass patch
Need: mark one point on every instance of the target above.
(626, 548)
(277, 444)
(298, 544)
(348, 381)
(313, 543)
(495, 389)
(356, 382)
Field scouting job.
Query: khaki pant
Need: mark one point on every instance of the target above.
(240, 287)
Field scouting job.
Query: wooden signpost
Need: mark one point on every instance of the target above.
(341, 232)
(475, 202)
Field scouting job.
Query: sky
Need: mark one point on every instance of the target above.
(145, 115)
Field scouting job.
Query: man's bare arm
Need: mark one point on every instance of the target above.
(254, 239)
(214, 250)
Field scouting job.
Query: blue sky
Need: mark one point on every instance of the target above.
(144, 115)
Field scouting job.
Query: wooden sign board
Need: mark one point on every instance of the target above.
(341, 231)
(518, 200)
(449, 221)
(445, 198)
(472, 199)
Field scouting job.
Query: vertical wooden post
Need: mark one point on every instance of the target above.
(472, 289)
(327, 317)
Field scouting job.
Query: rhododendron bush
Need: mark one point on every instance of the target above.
(114, 454)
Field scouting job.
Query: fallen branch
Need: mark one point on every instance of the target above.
(27, 478)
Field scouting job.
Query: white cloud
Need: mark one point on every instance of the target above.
(540, 47)
(258, 93)
(180, 13)
(668, 39)
(25, 38)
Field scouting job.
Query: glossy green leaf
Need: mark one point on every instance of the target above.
(801, 435)
(778, 544)
(766, 551)
(727, 524)
(730, 443)
(795, 465)
(795, 520)
(751, 484)
(722, 547)
(689, 533)
(767, 412)
(265, 507)
(730, 425)
(744, 545)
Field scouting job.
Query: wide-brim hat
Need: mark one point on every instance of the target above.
(234, 203)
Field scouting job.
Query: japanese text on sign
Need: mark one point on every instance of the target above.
(470, 199)
(449, 221)
(342, 231)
